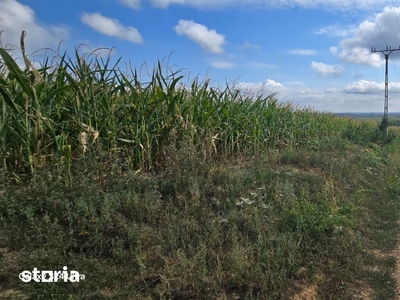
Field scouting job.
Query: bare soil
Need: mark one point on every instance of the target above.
(396, 275)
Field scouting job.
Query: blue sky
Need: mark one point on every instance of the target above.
(313, 53)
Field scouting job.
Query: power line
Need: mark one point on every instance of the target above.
(395, 14)
(386, 51)
(395, 70)
(357, 27)
(355, 24)
(398, 27)
(377, 26)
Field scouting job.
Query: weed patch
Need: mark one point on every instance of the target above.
(159, 192)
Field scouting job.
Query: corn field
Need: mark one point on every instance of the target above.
(71, 105)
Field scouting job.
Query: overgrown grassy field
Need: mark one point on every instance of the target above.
(393, 120)
(155, 188)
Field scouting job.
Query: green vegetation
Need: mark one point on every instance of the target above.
(61, 110)
(393, 119)
(157, 191)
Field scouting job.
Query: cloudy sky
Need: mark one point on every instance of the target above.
(314, 53)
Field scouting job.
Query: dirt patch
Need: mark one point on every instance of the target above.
(306, 290)
(307, 293)
(13, 294)
(7, 272)
(396, 273)
(363, 291)
(378, 253)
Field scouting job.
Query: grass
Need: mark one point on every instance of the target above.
(154, 190)
(260, 229)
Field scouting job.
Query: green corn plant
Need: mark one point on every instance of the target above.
(80, 104)
(21, 106)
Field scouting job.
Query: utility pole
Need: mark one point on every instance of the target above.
(386, 52)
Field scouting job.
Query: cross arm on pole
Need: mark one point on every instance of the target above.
(386, 51)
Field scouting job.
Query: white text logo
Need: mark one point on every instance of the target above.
(51, 276)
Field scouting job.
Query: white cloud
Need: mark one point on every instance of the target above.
(166, 3)
(209, 40)
(297, 94)
(357, 49)
(266, 87)
(370, 87)
(360, 56)
(294, 83)
(248, 45)
(334, 99)
(97, 51)
(111, 27)
(272, 83)
(222, 64)
(336, 30)
(361, 96)
(327, 70)
(325, 4)
(363, 87)
(135, 4)
(302, 52)
(16, 17)
(333, 50)
(259, 65)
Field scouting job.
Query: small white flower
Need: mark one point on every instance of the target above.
(248, 201)
(244, 201)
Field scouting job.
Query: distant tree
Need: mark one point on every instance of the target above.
(384, 124)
